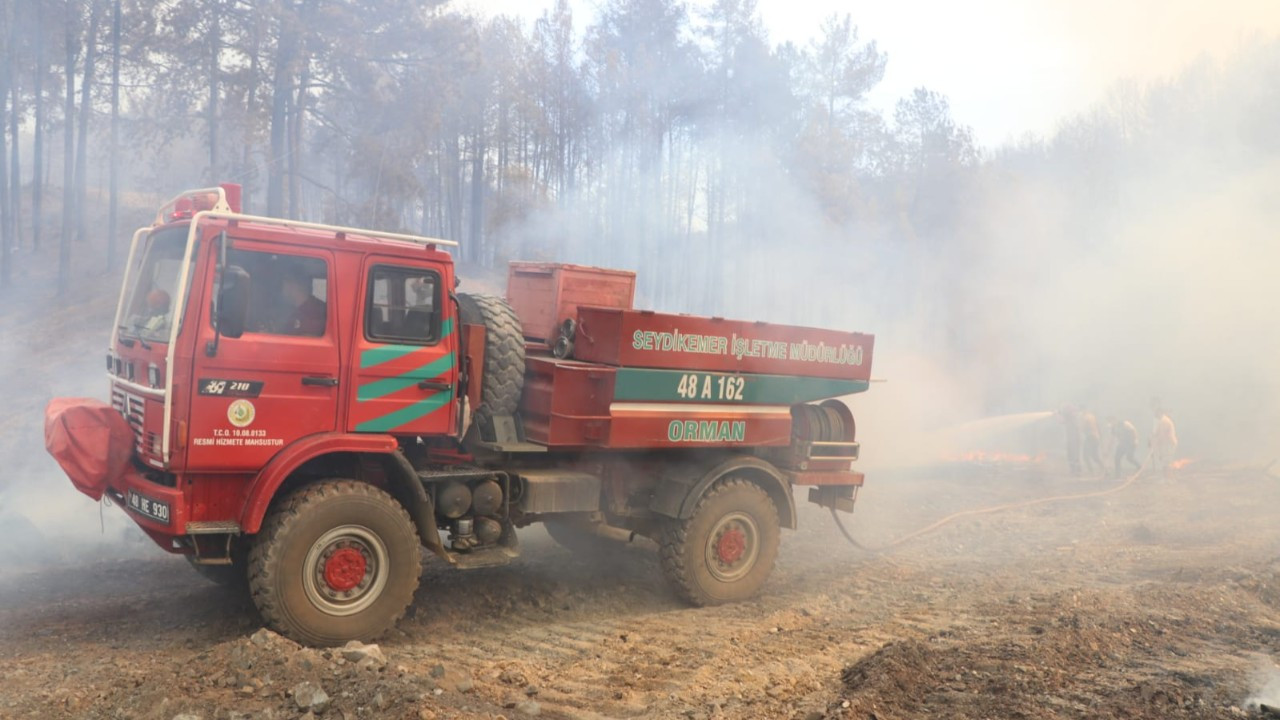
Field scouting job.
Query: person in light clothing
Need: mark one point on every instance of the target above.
(1092, 440)
(1164, 441)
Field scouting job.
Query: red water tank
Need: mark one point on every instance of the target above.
(545, 294)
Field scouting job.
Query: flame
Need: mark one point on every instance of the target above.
(1180, 463)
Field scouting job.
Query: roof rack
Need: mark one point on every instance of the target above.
(212, 203)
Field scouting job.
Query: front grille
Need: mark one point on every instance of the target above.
(133, 408)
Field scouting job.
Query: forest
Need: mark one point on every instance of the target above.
(736, 175)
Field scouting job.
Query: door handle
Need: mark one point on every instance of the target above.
(319, 381)
(432, 385)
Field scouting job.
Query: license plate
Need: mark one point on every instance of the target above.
(155, 509)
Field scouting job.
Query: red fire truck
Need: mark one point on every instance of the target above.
(304, 407)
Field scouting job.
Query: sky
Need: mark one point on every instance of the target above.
(1009, 67)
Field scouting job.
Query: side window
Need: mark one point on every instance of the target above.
(288, 293)
(402, 305)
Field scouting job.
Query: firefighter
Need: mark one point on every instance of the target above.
(1092, 442)
(1126, 440)
(1071, 420)
(1164, 440)
(1108, 449)
(157, 311)
(306, 311)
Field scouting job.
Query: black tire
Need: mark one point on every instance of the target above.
(725, 550)
(502, 379)
(335, 561)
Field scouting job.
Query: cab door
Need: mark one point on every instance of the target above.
(404, 365)
(277, 382)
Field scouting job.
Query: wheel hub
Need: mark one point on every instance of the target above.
(344, 569)
(731, 546)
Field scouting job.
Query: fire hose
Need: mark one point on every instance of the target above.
(987, 510)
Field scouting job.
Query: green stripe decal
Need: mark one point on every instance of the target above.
(387, 386)
(644, 385)
(408, 414)
(386, 353)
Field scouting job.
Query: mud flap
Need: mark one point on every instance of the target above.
(835, 497)
(90, 440)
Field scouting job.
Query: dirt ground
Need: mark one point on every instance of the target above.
(1159, 601)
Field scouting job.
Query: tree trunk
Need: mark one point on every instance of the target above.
(86, 108)
(297, 106)
(68, 159)
(286, 49)
(248, 173)
(290, 200)
(453, 194)
(37, 146)
(6, 215)
(215, 70)
(114, 200)
(477, 199)
(15, 165)
(15, 174)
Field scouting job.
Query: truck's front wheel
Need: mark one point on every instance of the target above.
(337, 560)
(725, 550)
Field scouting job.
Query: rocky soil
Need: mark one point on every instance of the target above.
(1160, 601)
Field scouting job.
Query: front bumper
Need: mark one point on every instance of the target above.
(142, 501)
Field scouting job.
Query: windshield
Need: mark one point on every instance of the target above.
(148, 310)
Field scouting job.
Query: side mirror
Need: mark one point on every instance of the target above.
(233, 301)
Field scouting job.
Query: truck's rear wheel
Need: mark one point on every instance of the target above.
(725, 550)
(337, 560)
(502, 378)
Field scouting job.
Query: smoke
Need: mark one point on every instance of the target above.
(1266, 677)
(50, 349)
(1127, 262)
(1122, 263)
(1158, 285)
(1179, 309)
(1126, 258)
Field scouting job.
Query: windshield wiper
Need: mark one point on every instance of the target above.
(128, 342)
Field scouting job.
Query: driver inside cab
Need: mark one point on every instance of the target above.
(306, 312)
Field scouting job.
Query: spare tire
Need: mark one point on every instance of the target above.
(502, 378)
